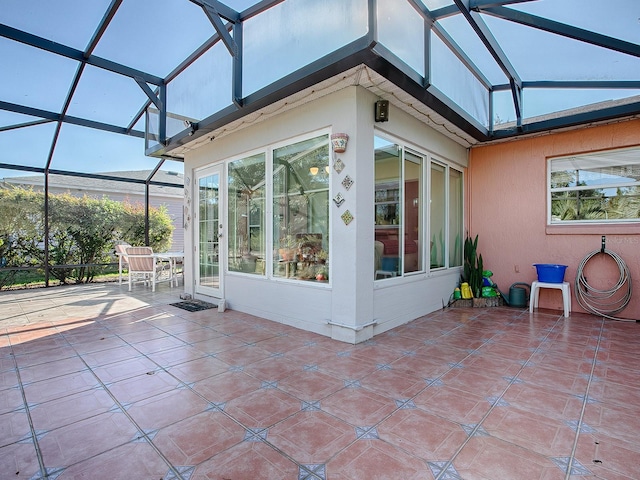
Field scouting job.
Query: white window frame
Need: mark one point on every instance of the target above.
(428, 159)
(268, 151)
(624, 156)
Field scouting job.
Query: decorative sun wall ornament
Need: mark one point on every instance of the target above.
(347, 182)
(338, 165)
(338, 200)
(339, 142)
(347, 217)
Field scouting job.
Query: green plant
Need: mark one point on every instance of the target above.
(473, 267)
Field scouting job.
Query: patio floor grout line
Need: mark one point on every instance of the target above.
(226, 414)
(584, 403)
(398, 408)
(34, 435)
(144, 434)
(444, 469)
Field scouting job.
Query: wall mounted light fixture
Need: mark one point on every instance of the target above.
(382, 111)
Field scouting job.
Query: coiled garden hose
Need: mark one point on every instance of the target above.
(605, 303)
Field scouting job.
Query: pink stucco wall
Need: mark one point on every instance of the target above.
(507, 200)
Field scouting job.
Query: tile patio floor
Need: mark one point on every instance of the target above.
(97, 383)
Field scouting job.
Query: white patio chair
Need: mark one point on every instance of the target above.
(121, 252)
(145, 266)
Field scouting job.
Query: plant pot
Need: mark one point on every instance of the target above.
(339, 142)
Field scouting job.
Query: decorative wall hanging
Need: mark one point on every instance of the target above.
(338, 199)
(347, 182)
(338, 165)
(346, 217)
(339, 142)
(187, 202)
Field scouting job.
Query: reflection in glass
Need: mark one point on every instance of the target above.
(455, 217)
(438, 215)
(388, 210)
(301, 210)
(246, 193)
(598, 187)
(208, 220)
(412, 225)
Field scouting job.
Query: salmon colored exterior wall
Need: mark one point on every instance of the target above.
(507, 208)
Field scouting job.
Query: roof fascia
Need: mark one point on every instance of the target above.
(602, 115)
(360, 51)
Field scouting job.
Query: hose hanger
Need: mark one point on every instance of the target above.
(606, 302)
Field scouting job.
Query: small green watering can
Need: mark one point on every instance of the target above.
(518, 296)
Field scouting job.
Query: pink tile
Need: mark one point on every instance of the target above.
(226, 386)
(608, 457)
(198, 438)
(310, 385)
(86, 438)
(10, 398)
(422, 434)
(70, 409)
(487, 457)
(478, 383)
(536, 433)
(96, 358)
(14, 426)
(272, 368)
(394, 384)
(138, 460)
(61, 386)
(358, 406)
(311, 437)
(348, 367)
(250, 460)
(114, 372)
(376, 460)
(262, 408)
(167, 408)
(453, 404)
(198, 369)
(544, 401)
(243, 355)
(143, 386)
(19, 461)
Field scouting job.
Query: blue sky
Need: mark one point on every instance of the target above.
(156, 35)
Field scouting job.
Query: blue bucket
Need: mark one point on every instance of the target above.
(550, 272)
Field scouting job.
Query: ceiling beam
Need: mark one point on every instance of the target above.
(563, 29)
(493, 46)
(214, 17)
(74, 54)
(220, 9)
(56, 117)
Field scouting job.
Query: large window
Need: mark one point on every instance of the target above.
(299, 219)
(418, 212)
(301, 210)
(599, 187)
(246, 193)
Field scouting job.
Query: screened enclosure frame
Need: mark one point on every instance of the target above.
(227, 26)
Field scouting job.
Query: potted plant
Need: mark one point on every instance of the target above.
(287, 248)
(473, 267)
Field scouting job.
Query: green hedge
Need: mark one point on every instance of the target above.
(82, 230)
